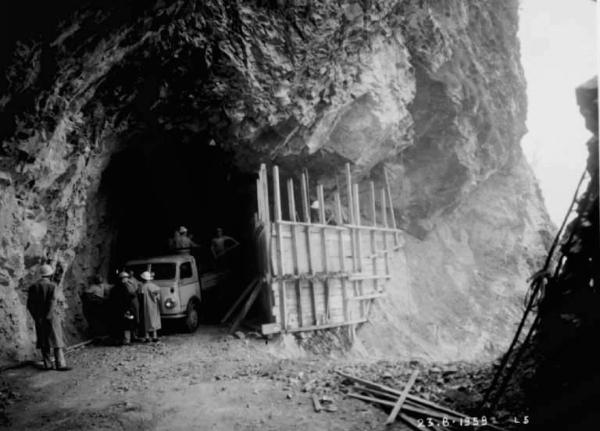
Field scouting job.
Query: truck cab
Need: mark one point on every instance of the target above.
(180, 285)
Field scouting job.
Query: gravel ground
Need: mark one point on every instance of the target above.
(213, 381)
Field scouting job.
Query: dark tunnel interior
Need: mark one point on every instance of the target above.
(159, 183)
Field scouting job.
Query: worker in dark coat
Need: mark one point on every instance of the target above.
(125, 308)
(150, 306)
(133, 287)
(42, 305)
(94, 300)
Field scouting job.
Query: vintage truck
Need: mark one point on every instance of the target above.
(182, 284)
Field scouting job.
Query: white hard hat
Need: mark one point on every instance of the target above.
(46, 270)
(146, 275)
(314, 205)
(182, 229)
(123, 274)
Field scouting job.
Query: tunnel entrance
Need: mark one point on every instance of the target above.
(159, 183)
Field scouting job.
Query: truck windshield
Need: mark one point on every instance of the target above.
(163, 271)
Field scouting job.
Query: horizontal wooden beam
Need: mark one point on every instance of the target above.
(363, 297)
(378, 253)
(316, 225)
(326, 326)
(338, 227)
(322, 276)
(358, 276)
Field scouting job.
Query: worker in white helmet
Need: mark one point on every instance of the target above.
(181, 242)
(149, 304)
(41, 303)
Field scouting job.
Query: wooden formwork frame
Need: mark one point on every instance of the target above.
(324, 272)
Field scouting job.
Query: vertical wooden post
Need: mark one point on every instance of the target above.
(352, 229)
(268, 232)
(372, 235)
(280, 268)
(292, 211)
(357, 219)
(391, 202)
(321, 204)
(349, 191)
(265, 194)
(291, 200)
(305, 207)
(259, 200)
(383, 209)
(276, 194)
(342, 253)
(384, 233)
(358, 247)
(373, 203)
(322, 220)
(311, 269)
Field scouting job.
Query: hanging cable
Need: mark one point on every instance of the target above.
(538, 281)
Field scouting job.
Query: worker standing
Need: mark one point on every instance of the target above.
(124, 305)
(94, 299)
(150, 300)
(181, 241)
(315, 212)
(42, 305)
(220, 246)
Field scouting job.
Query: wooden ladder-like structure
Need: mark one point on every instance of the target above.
(323, 269)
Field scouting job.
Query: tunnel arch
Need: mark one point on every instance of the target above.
(159, 182)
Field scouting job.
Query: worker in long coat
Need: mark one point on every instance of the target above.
(150, 307)
(42, 305)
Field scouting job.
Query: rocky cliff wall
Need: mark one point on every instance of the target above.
(431, 90)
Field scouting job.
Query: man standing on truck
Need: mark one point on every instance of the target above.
(41, 303)
(220, 245)
(181, 242)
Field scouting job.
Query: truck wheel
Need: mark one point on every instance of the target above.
(192, 318)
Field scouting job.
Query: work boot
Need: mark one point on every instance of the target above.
(48, 364)
(59, 357)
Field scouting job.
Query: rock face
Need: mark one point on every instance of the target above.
(431, 91)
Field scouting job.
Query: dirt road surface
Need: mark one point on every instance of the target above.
(202, 381)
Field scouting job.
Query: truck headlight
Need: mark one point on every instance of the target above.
(169, 303)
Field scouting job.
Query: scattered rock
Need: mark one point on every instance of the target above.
(325, 399)
(330, 407)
